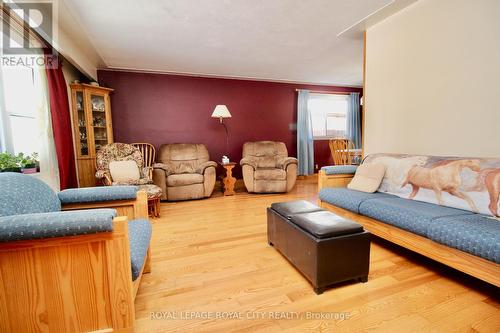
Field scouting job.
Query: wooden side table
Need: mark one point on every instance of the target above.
(228, 181)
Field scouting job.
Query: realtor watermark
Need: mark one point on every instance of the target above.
(28, 33)
(248, 315)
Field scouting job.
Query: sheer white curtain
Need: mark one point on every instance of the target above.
(27, 97)
(4, 119)
(5, 135)
(49, 171)
(37, 99)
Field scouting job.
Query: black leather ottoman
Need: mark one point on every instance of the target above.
(323, 246)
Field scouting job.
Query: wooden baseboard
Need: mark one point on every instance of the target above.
(475, 266)
(313, 177)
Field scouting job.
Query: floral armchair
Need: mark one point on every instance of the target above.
(121, 152)
(126, 152)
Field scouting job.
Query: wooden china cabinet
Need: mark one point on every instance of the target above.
(92, 127)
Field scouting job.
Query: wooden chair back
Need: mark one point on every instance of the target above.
(148, 152)
(339, 148)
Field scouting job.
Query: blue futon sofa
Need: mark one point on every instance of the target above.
(460, 238)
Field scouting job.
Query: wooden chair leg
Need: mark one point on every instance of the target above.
(147, 264)
(154, 208)
(150, 208)
(157, 208)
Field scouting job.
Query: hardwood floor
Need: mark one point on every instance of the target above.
(210, 258)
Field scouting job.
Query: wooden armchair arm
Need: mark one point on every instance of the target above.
(132, 209)
(335, 180)
(82, 283)
(104, 177)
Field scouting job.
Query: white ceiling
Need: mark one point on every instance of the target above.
(283, 40)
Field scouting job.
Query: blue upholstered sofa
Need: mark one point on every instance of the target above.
(462, 239)
(84, 264)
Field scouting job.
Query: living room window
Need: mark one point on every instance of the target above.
(20, 123)
(328, 115)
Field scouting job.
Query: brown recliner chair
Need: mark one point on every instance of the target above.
(267, 167)
(184, 172)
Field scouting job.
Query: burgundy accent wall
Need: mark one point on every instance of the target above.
(322, 154)
(161, 108)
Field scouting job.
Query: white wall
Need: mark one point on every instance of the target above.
(70, 39)
(433, 80)
(73, 42)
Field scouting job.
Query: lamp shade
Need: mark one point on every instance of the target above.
(221, 111)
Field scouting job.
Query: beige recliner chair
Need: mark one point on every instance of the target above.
(267, 167)
(184, 172)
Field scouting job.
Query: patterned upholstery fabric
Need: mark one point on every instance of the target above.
(125, 152)
(465, 183)
(340, 169)
(121, 152)
(475, 234)
(139, 233)
(414, 216)
(55, 224)
(153, 191)
(349, 199)
(142, 181)
(23, 194)
(94, 194)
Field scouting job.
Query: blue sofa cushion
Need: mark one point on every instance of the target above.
(95, 194)
(24, 194)
(475, 234)
(349, 199)
(339, 169)
(410, 215)
(55, 224)
(139, 233)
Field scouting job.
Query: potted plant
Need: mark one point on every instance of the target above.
(28, 163)
(9, 163)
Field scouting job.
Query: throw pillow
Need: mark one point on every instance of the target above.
(124, 171)
(367, 178)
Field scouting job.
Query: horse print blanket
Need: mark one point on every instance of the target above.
(466, 183)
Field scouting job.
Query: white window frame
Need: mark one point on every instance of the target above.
(330, 114)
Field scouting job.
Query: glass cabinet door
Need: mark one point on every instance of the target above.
(98, 105)
(82, 124)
